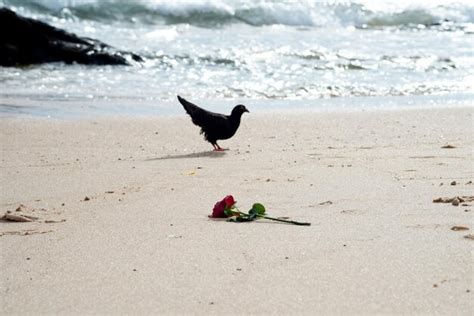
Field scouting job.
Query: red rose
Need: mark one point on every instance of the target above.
(229, 201)
(219, 209)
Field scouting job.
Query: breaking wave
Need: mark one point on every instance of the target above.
(211, 13)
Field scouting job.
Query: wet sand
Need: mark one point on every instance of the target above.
(118, 210)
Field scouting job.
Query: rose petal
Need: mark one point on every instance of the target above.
(229, 201)
(219, 210)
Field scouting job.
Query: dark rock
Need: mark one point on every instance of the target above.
(25, 41)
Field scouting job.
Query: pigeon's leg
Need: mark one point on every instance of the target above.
(217, 147)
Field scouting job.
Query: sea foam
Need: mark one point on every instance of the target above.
(265, 12)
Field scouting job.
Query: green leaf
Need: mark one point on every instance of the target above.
(258, 208)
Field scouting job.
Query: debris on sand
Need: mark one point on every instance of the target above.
(454, 200)
(458, 228)
(18, 218)
(469, 236)
(25, 232)
(25, 214)
(325, 203)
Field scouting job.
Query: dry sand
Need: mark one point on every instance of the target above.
(119, 215)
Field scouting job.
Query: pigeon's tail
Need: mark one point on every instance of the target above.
(188, 106)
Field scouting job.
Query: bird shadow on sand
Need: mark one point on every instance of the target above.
(210, 154)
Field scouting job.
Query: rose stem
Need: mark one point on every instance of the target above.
(285, 221)
(278, 219)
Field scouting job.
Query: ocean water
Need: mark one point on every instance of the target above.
(266, 54)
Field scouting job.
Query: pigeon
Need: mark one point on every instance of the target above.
(214, 126)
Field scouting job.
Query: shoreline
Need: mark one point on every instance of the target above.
(122, 207)
(17, 106)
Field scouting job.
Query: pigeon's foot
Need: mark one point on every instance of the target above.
(217, 147)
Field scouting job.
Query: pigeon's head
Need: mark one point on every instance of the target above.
(239, 110)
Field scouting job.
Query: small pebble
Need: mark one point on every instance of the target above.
(458, 228)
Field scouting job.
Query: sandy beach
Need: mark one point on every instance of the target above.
(119, 215)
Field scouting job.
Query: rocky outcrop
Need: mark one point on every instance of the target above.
(25, 41)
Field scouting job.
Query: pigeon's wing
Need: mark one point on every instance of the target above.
(203, 118)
